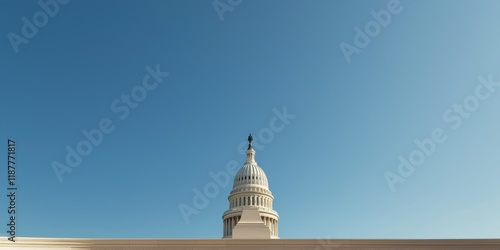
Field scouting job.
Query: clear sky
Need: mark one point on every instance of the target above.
(334, 91)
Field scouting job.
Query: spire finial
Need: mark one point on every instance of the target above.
(250, 139)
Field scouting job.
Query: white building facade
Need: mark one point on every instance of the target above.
(250, 191)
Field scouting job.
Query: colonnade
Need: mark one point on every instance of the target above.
(229, 224)
(272, 224)
(255, 200)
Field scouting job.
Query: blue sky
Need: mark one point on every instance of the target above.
(232, 74)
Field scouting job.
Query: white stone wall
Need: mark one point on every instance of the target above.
(233, 244)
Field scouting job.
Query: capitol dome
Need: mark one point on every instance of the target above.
(250, 174)
(250, 190)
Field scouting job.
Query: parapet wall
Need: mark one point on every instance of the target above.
(239, 244)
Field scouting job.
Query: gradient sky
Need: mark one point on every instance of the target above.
(325, 167)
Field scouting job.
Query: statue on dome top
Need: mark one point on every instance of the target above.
(250, 139)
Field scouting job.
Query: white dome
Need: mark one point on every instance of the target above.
(250, 174)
